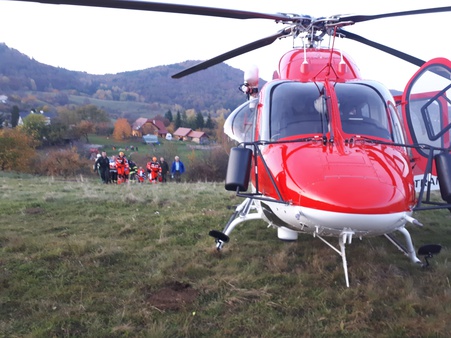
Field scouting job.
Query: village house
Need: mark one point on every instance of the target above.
(143, 126)
(187, 134)
(181, 134)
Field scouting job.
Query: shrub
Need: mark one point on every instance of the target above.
(16, 150)
(210, 166)
(63, 162)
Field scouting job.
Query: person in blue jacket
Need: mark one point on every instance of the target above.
(177, 169)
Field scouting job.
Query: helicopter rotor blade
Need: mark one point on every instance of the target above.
(235, 52)
(362, 18)
(302, 22)
(389, 50)
(167, 8)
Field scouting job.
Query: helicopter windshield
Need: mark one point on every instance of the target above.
(362, 110)
(296, 108)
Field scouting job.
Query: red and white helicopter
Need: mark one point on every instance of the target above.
(328, 153)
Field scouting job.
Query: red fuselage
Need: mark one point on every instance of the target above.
(335, 166)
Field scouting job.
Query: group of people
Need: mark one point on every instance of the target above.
(119, 169)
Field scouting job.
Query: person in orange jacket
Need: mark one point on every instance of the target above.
(140, 175)
(121, 163)
(155, 170)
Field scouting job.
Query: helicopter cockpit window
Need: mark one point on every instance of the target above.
(362, 110)
(293, 110)
(238, 125)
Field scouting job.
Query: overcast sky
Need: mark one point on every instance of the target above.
(99, 41)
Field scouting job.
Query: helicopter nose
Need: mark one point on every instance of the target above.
(361, 182)
(359, 194)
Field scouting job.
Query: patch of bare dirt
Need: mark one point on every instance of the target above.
(34, 211)
(173, 296)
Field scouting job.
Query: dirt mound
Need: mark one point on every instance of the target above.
(173, 296)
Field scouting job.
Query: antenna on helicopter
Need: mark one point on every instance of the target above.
(304, 65)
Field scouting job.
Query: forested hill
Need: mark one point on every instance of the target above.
(208, 90)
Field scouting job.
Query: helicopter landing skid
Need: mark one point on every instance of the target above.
(220, 238)
(410, 250)
(246, 211)
(428, 251)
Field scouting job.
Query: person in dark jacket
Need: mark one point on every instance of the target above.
(164, 169)
(103, 165)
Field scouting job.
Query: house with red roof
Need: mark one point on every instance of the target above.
(143, 126)
(187, 134)
(181, 134)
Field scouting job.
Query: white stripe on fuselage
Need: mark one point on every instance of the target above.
(329, 223)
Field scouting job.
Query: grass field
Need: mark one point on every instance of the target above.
(82, 259)
(139, 109)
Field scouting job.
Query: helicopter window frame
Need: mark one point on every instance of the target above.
(398, 132)
(432, 134)
(428, 124)
(294, 112)
(363, 114)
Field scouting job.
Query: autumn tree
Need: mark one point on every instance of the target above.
(62, 162)
(148, 128)
(103, 94)
(57, 133)
(35, 126)
(16, 150)
(221, 137)
(122, 129)
(83, 128)
(88, 112)
(104, 128)
(91, 113)
(68, 116)
(127, 96)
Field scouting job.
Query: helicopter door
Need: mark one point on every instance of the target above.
(426, 114)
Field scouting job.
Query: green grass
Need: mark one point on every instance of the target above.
(138, 109)
(82, 259)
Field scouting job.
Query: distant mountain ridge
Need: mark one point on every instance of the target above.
(206, 91)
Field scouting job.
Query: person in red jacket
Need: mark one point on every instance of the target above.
(141, 175)
(121, 163)
(155, 170)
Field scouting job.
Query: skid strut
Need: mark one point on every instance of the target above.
(344, 238)
(246, 211)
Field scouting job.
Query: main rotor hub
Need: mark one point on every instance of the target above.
(312, 30)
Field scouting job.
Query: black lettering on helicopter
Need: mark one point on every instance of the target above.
(432, 181)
